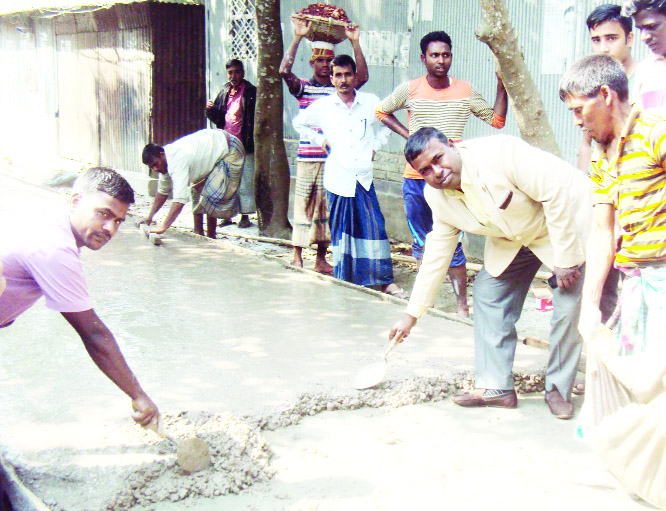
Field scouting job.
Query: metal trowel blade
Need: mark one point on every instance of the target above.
(370, 375)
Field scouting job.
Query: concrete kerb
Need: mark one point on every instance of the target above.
(528, 341)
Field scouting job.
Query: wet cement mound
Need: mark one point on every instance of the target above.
(139, 468)
(240, 457)
(144, 469)
(389, 393)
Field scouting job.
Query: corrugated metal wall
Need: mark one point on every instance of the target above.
(104, 83)
(552, 33)
(27, 90)
(87, 87)
(179, 83)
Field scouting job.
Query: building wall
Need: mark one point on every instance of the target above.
(89, 88)
(28, 98)
(552, 34)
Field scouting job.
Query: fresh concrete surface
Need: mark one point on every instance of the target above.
(207, 329)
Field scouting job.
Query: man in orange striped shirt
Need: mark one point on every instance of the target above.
(440, 101)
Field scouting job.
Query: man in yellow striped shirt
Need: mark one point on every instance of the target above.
(624, 418)
(627, 172)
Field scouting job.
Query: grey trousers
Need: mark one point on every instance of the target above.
(498, 302)
(246, 188)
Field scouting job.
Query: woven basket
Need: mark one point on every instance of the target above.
(323, 29)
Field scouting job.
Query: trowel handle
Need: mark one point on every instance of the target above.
(393, 344)
(157, 427)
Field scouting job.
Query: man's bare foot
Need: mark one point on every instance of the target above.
(297, 262)
(323, 267)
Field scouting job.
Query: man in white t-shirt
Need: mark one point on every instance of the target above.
(205, 167)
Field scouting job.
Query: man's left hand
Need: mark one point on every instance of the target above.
(566, 277)
(145, 411)
(159, 230)
(352, 32)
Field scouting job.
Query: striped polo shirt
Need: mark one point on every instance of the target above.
(309, 92)
(445, 109)
(635, 184)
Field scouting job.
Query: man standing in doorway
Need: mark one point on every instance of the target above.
(345, 126)
(310, 208)
(611, 34)
(233, 111)
(440, 101)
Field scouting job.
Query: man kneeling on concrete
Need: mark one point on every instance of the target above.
(525, 202)
(41, 258)
(205, 166)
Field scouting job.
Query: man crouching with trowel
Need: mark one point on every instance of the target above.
(532, 207)
(41, 258)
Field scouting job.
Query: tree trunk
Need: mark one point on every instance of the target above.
(270, 155)
(496, 31)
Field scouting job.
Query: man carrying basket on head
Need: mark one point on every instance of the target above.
(310, 206)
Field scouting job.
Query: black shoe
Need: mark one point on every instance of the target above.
(224, 222)
(244, 222)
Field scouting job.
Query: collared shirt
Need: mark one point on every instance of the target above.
(233, 118)
(41, 258)
(191, 158)
(635, 185)
(353, 133)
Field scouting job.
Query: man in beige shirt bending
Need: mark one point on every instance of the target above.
(533, 208)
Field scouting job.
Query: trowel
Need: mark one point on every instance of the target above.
(154, 238)
(192, 454)
(373, 374)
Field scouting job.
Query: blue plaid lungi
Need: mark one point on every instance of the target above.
(219, 197)
(361, 250)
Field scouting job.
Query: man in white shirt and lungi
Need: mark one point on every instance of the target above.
(351, 134)
(204, 166)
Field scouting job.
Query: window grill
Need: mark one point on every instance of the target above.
(242, 23)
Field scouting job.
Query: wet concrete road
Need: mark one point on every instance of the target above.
(205, 328)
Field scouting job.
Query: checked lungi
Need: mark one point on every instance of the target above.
(361, 250)
(310, 206)
(219, 196)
